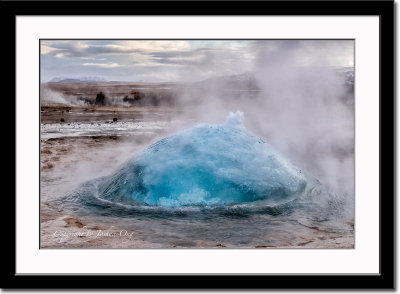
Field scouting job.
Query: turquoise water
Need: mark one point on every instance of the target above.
(218, 183)
(206, 165)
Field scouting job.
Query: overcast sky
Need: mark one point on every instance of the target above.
(182, 60)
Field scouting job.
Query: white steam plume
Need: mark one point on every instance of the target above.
(305, 111)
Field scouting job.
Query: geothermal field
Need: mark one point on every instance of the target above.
(187, 199)
(260, 158)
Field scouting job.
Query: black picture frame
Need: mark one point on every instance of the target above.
(384, 280)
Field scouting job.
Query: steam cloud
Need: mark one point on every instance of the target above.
(306, 112)
(50, 96)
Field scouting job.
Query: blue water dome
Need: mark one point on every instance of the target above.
(206, 165)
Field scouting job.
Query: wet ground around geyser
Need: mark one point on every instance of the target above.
(88, 146)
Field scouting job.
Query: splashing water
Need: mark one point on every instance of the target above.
(214, 183)
(206, 165)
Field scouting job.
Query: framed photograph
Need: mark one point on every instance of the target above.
(184, 145)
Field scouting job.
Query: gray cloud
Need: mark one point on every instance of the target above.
(184, 60)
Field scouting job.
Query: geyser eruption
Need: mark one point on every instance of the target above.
(206, 165)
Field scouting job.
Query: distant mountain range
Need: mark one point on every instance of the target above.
(239, 81)
(245, 81)
(78, 80)
(248, 80)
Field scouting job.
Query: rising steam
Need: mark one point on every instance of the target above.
(305, 111)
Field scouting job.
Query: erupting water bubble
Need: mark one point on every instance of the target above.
(206, 165)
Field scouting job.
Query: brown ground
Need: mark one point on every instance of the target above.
(114, 89)
(54, 113)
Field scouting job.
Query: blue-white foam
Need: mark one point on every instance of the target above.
(208, 165)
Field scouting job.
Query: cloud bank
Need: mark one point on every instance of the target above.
(180, 60)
